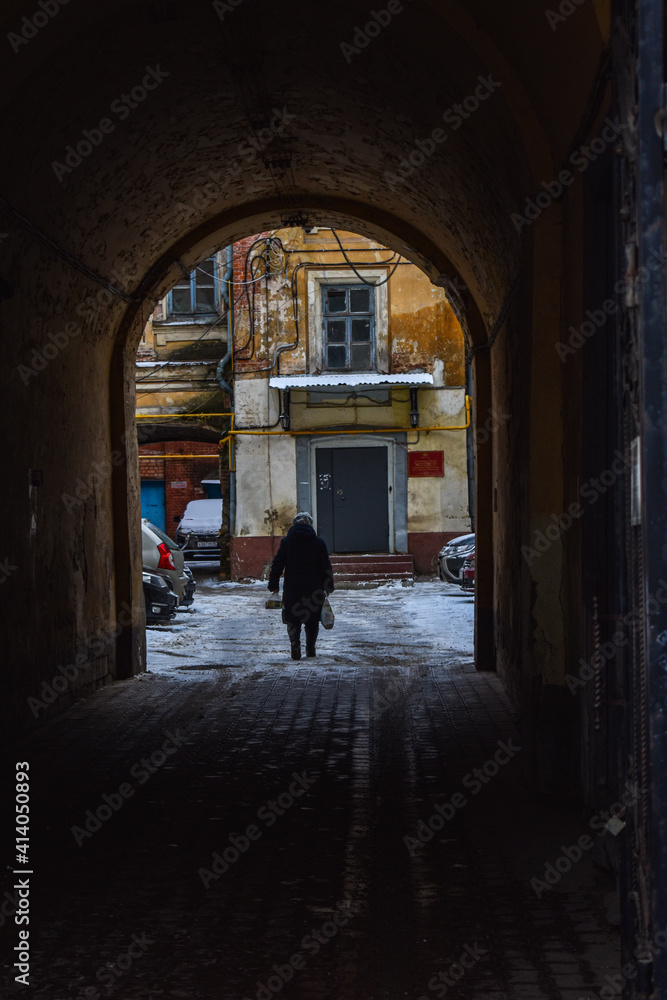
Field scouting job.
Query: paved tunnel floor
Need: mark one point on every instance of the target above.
(261, 835)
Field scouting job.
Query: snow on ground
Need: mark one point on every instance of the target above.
(229, 627)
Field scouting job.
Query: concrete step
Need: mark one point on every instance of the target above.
(401, 562)
(372, 575)
(371, 569)
(371, 556)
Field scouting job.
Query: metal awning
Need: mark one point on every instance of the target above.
(365, 380)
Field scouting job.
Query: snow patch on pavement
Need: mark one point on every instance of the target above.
(230, 629)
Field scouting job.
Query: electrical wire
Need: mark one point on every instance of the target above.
(307, 264)
(222, 316)
(274, 247)
(200, 337)
(375, 284)
(502, 315)
(251, 265)
(267, 262)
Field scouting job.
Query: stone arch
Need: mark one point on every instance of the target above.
(155, 180)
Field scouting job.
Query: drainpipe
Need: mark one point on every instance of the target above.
(220, 370)
(228, 515)
(232, 504)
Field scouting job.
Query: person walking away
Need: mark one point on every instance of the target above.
(308, 579)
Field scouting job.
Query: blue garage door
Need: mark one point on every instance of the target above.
(153, 502)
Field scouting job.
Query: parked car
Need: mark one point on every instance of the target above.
(452, 555)
(468, 572)
(163, 556)
(198, 532)
(190, 587)
(160, 599)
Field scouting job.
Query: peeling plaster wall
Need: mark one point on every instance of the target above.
(415, 329)
(441, 505)
(266, 492)
(417, 325)
(266, 465)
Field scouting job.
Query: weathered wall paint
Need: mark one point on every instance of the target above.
(421, 333)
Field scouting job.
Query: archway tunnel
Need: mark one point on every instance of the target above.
(480, 146)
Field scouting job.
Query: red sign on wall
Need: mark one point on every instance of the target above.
(426, 463)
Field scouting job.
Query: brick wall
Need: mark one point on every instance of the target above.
(178, 470)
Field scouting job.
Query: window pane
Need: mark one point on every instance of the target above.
(335, 300)
(336, 357)
(206, 271)
(205, 300)
(361, 357)
(336, 331)
(180, 299)
(360, 300)
(361, 330)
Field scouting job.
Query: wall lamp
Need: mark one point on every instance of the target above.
(284, 410)
(414, 409)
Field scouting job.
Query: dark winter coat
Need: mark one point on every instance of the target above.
(308, 574)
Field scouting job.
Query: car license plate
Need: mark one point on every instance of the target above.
(207, 545)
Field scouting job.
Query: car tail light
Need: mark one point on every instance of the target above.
(166, 558)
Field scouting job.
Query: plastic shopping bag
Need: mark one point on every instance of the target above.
(327, 616)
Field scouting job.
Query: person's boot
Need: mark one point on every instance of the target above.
(295, 641)
(311, 639)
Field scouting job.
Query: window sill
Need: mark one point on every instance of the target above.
(349, 379)
(194, 319)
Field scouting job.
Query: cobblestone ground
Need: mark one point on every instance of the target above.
(262, 850)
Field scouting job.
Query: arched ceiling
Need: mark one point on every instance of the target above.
(177, 171)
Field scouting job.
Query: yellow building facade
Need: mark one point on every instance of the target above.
(349, 400)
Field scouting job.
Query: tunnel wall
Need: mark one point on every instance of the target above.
(171, 184)
(59, 498)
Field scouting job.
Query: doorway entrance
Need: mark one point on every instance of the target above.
(153, 503)
(353, 499)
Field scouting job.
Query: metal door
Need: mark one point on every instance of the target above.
(153, 502)
(353, 499)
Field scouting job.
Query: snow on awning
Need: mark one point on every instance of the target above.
(365, 380)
